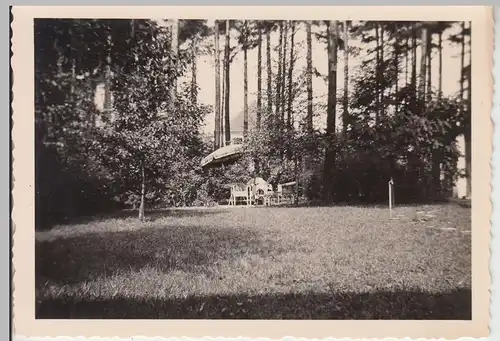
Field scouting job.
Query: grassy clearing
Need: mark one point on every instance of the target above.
(327, 262)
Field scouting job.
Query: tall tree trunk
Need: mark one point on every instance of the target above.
(331, 106)
(175, 51)
(290, 77)
(468, 125)
(217, 88)
(309, 119)
(269, 77)
(414, 68)
(440, 54)
(407, 56)
(194, 85)
(381, 73)
(429, 70)
(245, 81)
(423, 70)
(462, 64)
(227, 89)
(396, 67)
(143, 192)
(377, 75)
(259, 76)
(279, 78)
(436, 153)
(283, 75)
(107, 80)
(52, 118)
(73, 78)
(60, 54)
(345, 116)
(73, 71)
(259, 87)
(223, 101)
(223, 97)
(290, 91)
(297, 179)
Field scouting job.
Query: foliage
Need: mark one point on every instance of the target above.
(98, 155)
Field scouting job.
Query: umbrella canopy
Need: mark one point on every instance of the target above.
(257, 181)
(222, 155)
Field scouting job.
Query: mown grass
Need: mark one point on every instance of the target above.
(260, 263)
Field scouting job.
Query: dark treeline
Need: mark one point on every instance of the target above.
(144, 146)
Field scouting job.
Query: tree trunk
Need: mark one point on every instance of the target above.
(468, 132)
(283, 75)
(175, 51)
(107, 81)
(227, 89)
(245, 82)
(217, 87)
(332, 76)
(223, 97)
(290, 78)
(73, 78)
(429, 70)
(396, 67)
(143, 192)
(414, 69)
(381, 72)
(296, 174)
(468, 163)
(309, 119)
(223, 101)
(407, 56)
(269, 77)
(462, 65)
(194, 86)
(259, 76)
(73, 72)
(423, 70)
(52, 118)
(279, 78)
(345, 117)
(331, 114)
(377, 75)
(290, 90)
(436, 153)
(60, 54)
(440, 53)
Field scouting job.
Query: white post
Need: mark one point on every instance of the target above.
(390, 198)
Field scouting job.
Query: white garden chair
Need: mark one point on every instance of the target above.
(239, 191)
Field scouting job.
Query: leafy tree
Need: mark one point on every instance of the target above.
(134, 150)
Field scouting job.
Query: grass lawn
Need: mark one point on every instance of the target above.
(340, 262)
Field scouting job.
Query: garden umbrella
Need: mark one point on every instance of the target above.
(224, 155)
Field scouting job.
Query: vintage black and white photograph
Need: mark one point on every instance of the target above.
(252, 169)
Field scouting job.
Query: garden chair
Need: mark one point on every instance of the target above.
(286, 191)
(239, 191)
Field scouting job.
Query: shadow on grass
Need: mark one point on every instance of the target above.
(151, 215)
(77, 258)
(379, 305)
